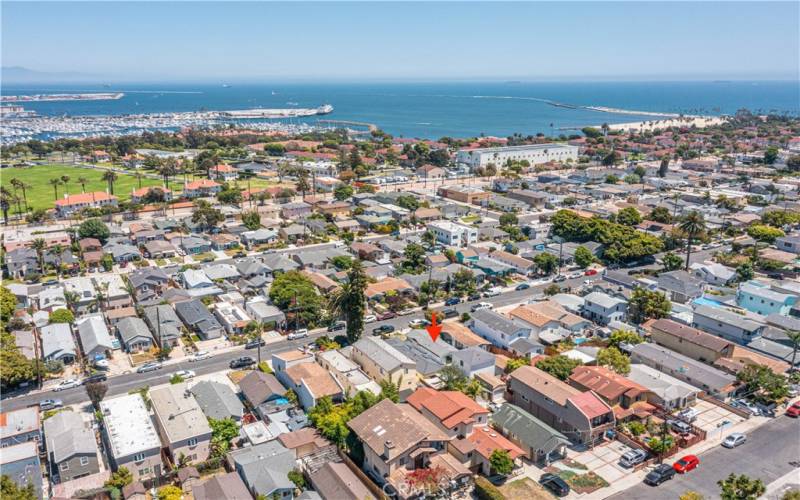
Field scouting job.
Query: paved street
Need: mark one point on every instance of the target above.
(765, 455)
(124, 383)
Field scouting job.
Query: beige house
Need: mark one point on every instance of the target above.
(181, 423)
(381, 361)
(690, 342)
(130, 437)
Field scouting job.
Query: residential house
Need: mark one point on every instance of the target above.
(70, 204)
(335, 481)
(194, 245)
(381, 361)
(295, 210)
(452, 412)
(759, 298)
(520, 265)
(430, 172)
(396, 439)
(197, 318)
(473, 360)
(281, 361)
(252, 239)
(726, 324)
(453, 233)
(181, 423)
(83, 291)
(258, 388)
(582, 416)
(347, 373)
(311, 382)
(201, 188)
(21, 464)
(113, 288)
(227, 486)
(96, 342)
(664, 391)
(164, 324)
(264, 468)
(266, 314)
(680, 286)
(789, 243)
(71, 446)
(623, 395)
(377, 291)
(19, 426)
(223, 241)
(691, 342)
(496, 328)
(223, 173)
(232, 317)
(152, 193)
(159, 249)
(540, 443)
(221, 272)
(603, 309)
(130, 437)
(57, 343)
(22, 262)
(122, 252)
(482, 443)
(461, 337)
(713, 273)
(51, 299)
(148, 283)
(217, 400)
(135, 335)
(711, 380)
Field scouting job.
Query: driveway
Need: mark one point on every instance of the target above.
(604, 460)
(711, 417)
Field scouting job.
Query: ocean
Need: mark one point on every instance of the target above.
(433, 110)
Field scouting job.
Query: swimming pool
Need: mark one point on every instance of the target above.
(704, 301)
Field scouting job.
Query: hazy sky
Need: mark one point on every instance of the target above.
(411, 41)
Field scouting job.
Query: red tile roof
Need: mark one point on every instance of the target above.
(590, 404)
(450, 407)
(486, 440)
(75, 199)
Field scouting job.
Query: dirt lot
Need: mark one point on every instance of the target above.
(525, 488)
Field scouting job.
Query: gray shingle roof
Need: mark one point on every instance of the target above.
(217, 400)
(531, 431)
(195, 314)
(94, 333)
(67, 435)
(131, 328)
(497, 322)
(383, 354)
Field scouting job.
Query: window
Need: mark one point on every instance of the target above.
(193, 442)
(84, 461)
(64, 466)
(138, 457)
(144, 472)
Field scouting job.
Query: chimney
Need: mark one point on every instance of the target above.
(388, 446)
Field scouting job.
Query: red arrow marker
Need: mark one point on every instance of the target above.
(434, 329)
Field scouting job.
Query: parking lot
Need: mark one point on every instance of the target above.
(712, 417)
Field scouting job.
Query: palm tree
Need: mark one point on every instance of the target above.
(55, 182)
(110, 176)
(57, 250)
(693, 224)
(82, 181)
(794, 338)
(253, 330)
(65, 180)
(138, 176)
(168, 169)
(349, 301)
(39, 245)
(5, 202)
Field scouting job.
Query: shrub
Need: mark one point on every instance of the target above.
(485, 490)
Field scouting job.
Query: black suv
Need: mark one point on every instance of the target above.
(242, 362)
(97, 377)
(450, 313)
(555, 484)
(383, 329)
(660, 474)
(252, 344)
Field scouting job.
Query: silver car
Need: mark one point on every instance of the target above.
(632, 458)
(734, 440)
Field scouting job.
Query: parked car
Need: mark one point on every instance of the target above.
(452, 301)
(680, 427)
(101, 364)
(555, 484)
(383, 329)
(474, 296)
(97, 377)
(590, 272)
(370, 318)
(242, 362)
(184, 374)
(574, 275)
(747, 405)
(450, 313)
(685, 464)
(632, 458)
(734, 440)
(559, 278)
(417, 323)
(199, 356)
(255, 343)
(339, 325)
(481, 306)
(50, 404)
(689, 414)
(386, 315)
(493, 292)
(298, 334)
(149, 367)
(794, 410)
(405, 312)
(661, 473)
(522, 286)
(67, 384)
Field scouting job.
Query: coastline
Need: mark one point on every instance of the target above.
(684, 121)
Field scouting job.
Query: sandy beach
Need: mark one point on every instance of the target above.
(686, 121)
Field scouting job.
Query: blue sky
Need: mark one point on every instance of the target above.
(405, 41)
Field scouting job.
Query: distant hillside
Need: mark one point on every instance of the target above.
(20, 74)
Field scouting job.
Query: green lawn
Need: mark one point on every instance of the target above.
(40, 194)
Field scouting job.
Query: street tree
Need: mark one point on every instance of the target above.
(741, 487)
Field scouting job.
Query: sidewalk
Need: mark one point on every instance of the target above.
(776, 489)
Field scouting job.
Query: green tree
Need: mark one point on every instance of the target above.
(663, 168)
(744, 272)
(15, 367)
(8, 303)
(509, 219)
(614, 359)
(343, 192)
(350, 303)
(763, 384)
(629, 216)
(9, 489)
(770, 155)
(793, 494)
(389, 390)
(552, 289)
(94, 228)
(583, 257)
(546, 262)
(558, 366)
(740, 487)
(297, 478)
(205, 215)
(794, 339)
(514, 363)
(251, 220)
(693, 225)
(62, 316)
(646, 304)
(660, 446)
(636, 428)
(660, 214)
(414, 256)
(230, 195)
(110, 177)
(452, 378)
(170, 492)
(96, 392)
(766, 234)
(120, 479)
(501, 462)
(618, 337)
(295, 293)
(672, 262)
(222, 431)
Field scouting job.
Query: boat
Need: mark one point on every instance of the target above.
(226, 86)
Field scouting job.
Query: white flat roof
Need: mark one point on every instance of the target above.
(128, 425)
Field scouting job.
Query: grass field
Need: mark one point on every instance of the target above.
(40, 194)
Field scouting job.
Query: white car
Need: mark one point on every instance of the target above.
(416, 323)
(370, 318)
(481, 306)
(734, 440)
(298, 334)
(67, 384)
(200, 355)
(184, 374)
(493, 292)
(689, 414)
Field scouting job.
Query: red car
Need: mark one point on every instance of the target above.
(386, 315)
(794, 410)
(686, 464)
(590, 272)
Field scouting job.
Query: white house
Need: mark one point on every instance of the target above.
(496, 328)
(453, 234)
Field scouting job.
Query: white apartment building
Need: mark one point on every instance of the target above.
(533, 153)
(453, 233)
(131, 437)
(232, 317)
